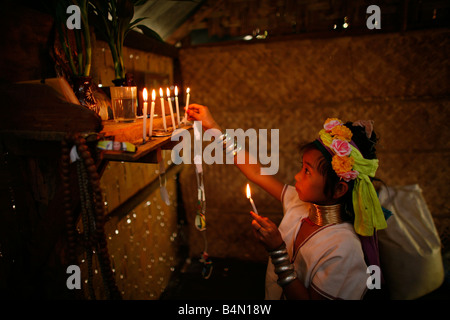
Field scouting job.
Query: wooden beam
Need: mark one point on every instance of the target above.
(203, 12)
(137, 40)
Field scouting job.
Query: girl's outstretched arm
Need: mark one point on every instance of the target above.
(269, 183)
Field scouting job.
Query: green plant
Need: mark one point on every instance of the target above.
(78, 54)
(112, 19)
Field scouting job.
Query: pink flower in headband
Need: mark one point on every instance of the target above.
(330, 123)
(341, 147)
(349, 175)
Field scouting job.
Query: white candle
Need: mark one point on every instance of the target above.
(176, 104)
(187, 105)
(171, 110)
(163, 111)
(144, 115)
(249, 196)
(152, 112)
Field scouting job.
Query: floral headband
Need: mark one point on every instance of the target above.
(335, 143)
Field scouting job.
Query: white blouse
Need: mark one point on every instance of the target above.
(330, 260)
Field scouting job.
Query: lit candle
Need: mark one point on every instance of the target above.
(249, 196)
(187, 105)
(163, 111)
(176, 104)
(144, 117)
(152, 112)
(171, 111)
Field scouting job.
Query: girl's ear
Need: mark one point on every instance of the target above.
(340, 190)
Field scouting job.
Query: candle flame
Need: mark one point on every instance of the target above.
(168, 92)
(176, 90)
(153, 95)
(145, 94)
(249, 194)
(161, 94)
(187, 90)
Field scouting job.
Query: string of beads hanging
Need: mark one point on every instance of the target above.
(92, 238)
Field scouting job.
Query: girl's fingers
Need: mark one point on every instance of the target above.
(258, 231)
(263, 221)
(194, 107)
(256, 225)
(266, 231)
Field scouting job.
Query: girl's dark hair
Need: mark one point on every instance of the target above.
(367, 148)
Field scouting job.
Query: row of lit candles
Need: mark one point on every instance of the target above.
(152, 109)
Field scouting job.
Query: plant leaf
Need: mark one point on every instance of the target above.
(149, 32)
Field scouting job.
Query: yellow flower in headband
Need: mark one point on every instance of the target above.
(342, 164)
(341, 132)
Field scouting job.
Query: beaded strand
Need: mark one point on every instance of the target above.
(92, 212)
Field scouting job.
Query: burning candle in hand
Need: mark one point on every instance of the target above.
(249, 196)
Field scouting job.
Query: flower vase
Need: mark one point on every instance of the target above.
(124, 99)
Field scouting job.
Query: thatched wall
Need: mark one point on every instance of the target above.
(144, 244)
(398, 80)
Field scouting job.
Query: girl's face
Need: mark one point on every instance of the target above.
(310, 183)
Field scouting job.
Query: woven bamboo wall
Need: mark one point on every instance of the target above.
(399, 80)
(144, 244)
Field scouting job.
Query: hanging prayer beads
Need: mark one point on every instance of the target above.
(92, 211)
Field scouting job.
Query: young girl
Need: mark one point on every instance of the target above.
(316, 252)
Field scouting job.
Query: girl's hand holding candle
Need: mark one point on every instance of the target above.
(249, 196)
